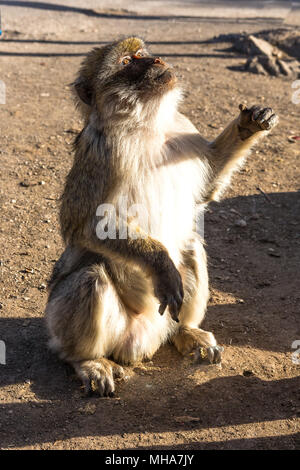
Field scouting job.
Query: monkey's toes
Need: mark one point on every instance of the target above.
(118, 371)
(213, 354)
(96, 378)
(102, 384)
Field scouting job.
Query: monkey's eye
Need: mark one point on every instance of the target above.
(126, 60)
(139, 53)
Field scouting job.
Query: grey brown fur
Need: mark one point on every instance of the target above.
(121, 298)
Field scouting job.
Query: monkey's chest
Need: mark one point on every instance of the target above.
(162, 204)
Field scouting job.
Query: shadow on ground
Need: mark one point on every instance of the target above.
(266, 281)
(122, 14)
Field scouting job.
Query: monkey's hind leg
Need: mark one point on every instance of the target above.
(85, 319)
(189, 336)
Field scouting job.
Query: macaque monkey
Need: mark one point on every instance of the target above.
(113, 298)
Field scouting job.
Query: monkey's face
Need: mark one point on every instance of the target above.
(123, 74)
(134, 69)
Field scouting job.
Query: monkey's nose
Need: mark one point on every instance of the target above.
(158, 60)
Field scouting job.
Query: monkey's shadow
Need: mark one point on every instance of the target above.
(258, 263)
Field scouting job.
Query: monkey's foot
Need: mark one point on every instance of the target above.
(202, 342)
(255, 119)
(98, 376)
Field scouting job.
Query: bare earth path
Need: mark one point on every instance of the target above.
(252, 401)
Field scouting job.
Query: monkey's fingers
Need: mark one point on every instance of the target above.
(163, 307)
(265, 118)
(174, 310)
(257, 118)
(242, 107)
(165, 300)
(174, 306)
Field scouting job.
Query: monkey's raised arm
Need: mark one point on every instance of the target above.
(227, 152)
(231, 147)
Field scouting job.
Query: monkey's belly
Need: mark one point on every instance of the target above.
(139, 328)
(143, 337)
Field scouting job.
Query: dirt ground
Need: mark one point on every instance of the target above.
(252, 400)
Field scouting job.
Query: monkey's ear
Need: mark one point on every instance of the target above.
(83, 90)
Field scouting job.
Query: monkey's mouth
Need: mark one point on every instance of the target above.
(165, 76)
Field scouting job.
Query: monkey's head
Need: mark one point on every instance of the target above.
(120, 76)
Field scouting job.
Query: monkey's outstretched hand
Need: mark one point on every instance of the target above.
(254, 119)
(168, 289)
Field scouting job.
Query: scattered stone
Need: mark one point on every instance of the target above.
(234, 211)
(42, 287)
(24, 184)
(88, 409)
(272, 66)
(274, 254)
(240, 223)
(27, 271)
(72, 131)
(251, 45)
(186, 419)
(285, 68)
(270, 52)
(248, 373)
(264, 284)
(287, 39)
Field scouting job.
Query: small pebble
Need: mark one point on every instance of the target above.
(241, 223)
(248, 373)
